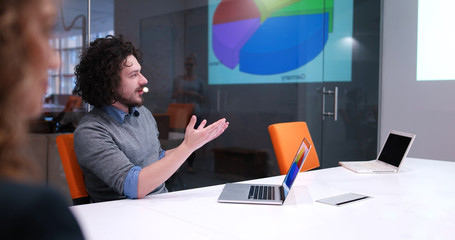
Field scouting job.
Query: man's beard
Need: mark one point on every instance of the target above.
(130, 102)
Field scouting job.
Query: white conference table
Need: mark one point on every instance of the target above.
(416, 203)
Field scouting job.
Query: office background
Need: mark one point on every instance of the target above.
(423, 108)
(382, 95)
(167, 33)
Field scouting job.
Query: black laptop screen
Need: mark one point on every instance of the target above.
(394, 149)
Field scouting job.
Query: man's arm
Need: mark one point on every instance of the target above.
(155, 174)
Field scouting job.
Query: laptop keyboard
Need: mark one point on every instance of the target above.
(262, 193)
(374, 166)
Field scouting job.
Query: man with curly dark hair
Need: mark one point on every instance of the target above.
(117, 142)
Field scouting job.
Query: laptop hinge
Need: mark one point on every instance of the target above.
(282, 192)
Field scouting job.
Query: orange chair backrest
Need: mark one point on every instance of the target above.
(179, 114)
(286, 139)
(74, 176)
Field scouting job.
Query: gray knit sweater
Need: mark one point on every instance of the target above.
(107, 150)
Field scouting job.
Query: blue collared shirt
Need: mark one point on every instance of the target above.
(132, 178)
(118, 114)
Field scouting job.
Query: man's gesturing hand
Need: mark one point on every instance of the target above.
(196, 138)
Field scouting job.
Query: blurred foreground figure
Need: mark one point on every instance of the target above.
(29, 210)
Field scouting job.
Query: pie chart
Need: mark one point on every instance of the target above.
(265, 37)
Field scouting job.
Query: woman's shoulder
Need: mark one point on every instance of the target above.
(35, 211)
(25, 195)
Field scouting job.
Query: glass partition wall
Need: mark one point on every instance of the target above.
(71, 35)
(255, 63)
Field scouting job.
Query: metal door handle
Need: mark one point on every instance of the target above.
(335, 103)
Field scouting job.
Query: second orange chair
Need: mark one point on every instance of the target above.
(286, 138)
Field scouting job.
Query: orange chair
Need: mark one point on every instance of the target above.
(179, 115)
(74, 176)
(286, 139)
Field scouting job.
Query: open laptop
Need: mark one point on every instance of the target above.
(394, 150)
(266, 194)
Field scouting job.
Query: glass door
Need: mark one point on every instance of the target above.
(334, 88)
(350, 109)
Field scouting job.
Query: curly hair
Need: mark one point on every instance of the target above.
(98, 73)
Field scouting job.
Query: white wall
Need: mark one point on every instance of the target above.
(424, 108)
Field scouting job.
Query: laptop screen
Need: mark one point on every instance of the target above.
(296, 165)
(395, 148)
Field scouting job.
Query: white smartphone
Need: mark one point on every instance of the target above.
(343, 199)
